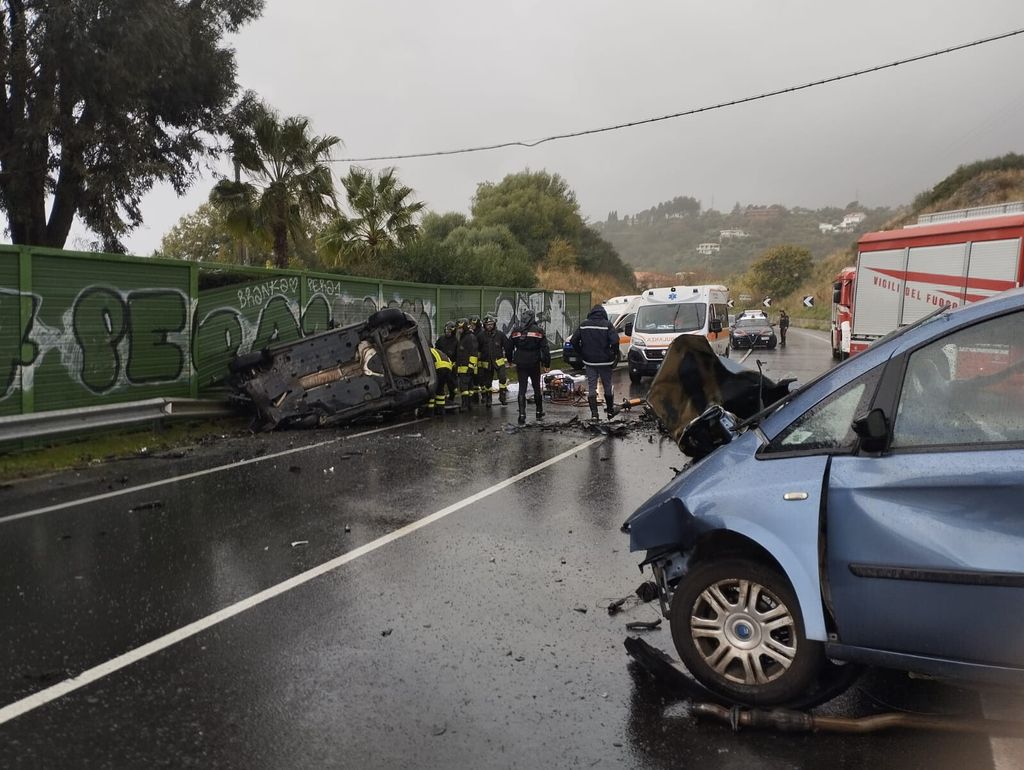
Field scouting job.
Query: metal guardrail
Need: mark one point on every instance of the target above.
(977, 212)
(63, 421)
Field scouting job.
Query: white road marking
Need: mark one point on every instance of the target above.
(194, 474)
(1007, 753)
(52, 693)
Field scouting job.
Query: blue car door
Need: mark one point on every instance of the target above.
(925, 542)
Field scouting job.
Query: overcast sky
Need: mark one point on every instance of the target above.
(390, 76)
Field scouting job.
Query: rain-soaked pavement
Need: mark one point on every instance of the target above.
(479, 639)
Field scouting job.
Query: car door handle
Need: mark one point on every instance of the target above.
(795, 496)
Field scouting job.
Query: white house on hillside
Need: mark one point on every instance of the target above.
(708, 248)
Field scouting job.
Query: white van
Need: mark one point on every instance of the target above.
(616, 307)
(664, 314)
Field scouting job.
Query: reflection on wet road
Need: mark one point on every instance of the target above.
(479, 639)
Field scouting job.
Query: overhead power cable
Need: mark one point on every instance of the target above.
(686, 113)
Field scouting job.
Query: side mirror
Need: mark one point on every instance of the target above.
(716, 325)
(628, 330)
(873, 429)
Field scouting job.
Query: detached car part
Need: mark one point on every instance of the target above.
(692, 378)
(382, 364)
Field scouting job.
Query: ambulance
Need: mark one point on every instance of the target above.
(663, 314)
(617, 307)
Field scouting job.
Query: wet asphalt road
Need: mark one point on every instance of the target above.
(478, 640)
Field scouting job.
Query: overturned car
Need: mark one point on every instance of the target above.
(381, 365)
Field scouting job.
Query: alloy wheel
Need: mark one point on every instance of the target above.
(744, 632)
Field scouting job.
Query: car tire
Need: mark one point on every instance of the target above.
(248, 361)
(635, 376)
(389, 316)
(747, 647)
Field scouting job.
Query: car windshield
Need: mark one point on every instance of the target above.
(769, 410)
(748, 322)
(683, 317)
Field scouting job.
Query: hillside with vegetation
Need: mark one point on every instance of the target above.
(983, 183)
(666, 238)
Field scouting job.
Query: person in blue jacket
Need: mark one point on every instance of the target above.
(597, 343)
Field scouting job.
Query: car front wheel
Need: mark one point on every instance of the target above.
(738, 628)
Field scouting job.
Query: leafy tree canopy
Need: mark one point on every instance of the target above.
(779, 271)
(103, 98)
(537, 207)
(468, 255)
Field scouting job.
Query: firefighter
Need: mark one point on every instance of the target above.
(493, 349)
(529, 351)
(466, 361)
(445, 381)
(448, 344)
(475, 328)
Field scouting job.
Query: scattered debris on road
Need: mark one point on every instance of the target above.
(296, 543)
(641, 625)
(147, 506)
(386, 632)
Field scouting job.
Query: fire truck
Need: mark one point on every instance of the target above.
(947, 258)
(842, 312)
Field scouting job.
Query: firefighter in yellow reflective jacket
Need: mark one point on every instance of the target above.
(448, 343)
(493, 349)
(466, 362)
(445, 381)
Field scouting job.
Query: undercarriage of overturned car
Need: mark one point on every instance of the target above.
(380, 365)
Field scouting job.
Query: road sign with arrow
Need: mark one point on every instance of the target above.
(767, 302)
(809, 300)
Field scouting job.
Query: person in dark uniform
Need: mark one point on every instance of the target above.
(597, 343)
(466, 361)
(783, 327)
(475, 390)
(493, 349)
(448, 344)
(529, 351)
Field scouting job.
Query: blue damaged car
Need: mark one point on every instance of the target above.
(874, 516)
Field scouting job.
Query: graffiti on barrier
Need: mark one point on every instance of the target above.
(108, 339)
(559, 325)
(101, 342)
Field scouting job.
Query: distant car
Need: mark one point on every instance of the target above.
(871, 516)
(749, 332)
(381, 365)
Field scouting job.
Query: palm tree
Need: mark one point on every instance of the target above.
(290, 187)
(383, 218)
